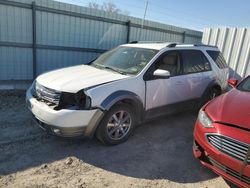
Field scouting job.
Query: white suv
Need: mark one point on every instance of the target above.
(125, 86)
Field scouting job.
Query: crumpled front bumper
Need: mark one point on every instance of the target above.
(65, 122)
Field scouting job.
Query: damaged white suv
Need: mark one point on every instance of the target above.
(125, 86)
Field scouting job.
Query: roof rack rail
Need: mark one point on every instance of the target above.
(184, 45)
(205, 45)
(134, 42)
(172, 45)
(190, 45)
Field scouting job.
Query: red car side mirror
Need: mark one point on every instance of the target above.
(232, 82)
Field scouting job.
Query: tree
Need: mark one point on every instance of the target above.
(94, 6)
(108, 7)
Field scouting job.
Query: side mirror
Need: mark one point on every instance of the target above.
(232, 82)
(159, 73)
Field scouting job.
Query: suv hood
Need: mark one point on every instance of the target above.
(75, 78)
(233, 108)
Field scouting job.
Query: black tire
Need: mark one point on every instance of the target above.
(214, 92)
(211, 94)
(103, 132)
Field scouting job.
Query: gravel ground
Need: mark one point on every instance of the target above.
(158, 154)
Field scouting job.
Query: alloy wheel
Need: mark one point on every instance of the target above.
(118, 125)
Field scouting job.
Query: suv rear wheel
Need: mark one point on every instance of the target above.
(214, 92)
(211, 94)
(117, 125)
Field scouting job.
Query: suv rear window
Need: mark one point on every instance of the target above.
(194, 61)
(218, 58)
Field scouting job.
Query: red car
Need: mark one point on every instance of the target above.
(222, 134)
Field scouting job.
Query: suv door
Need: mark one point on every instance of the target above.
(197, 72)
(190, 73)
(162, 92)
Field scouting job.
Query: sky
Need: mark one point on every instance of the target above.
(193, 14)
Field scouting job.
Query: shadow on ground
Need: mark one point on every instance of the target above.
(160, 149)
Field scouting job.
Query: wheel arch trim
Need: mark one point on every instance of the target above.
(120, 95)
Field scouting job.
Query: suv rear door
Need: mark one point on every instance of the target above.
(197, 71)
(222, 70)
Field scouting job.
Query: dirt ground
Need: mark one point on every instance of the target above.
(159, 154)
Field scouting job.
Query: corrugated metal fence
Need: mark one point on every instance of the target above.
(235, 46)
(41, 35)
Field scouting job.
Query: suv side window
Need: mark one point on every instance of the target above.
(194, 61)
(218, 58)
(169, 61)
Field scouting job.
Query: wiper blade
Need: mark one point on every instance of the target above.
(114, 69)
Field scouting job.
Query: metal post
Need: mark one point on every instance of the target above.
(128, 30)
(144, 16)
(184, 37)
(34, 46)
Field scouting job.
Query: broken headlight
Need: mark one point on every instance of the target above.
(74, 101)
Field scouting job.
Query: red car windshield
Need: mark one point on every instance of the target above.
(245, 85)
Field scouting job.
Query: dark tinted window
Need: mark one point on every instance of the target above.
(218, 58)
(194, 61)
(170, 62)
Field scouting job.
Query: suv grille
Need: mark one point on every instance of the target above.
(45, 94)
(229, 146)
(230, 171)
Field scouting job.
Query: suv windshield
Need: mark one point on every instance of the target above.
(125, 60)
(245, 85)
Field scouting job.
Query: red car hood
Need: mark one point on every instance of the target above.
(233, 108)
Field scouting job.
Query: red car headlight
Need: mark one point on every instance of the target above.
(205, 120)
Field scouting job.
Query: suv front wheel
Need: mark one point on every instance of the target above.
(117, 125)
